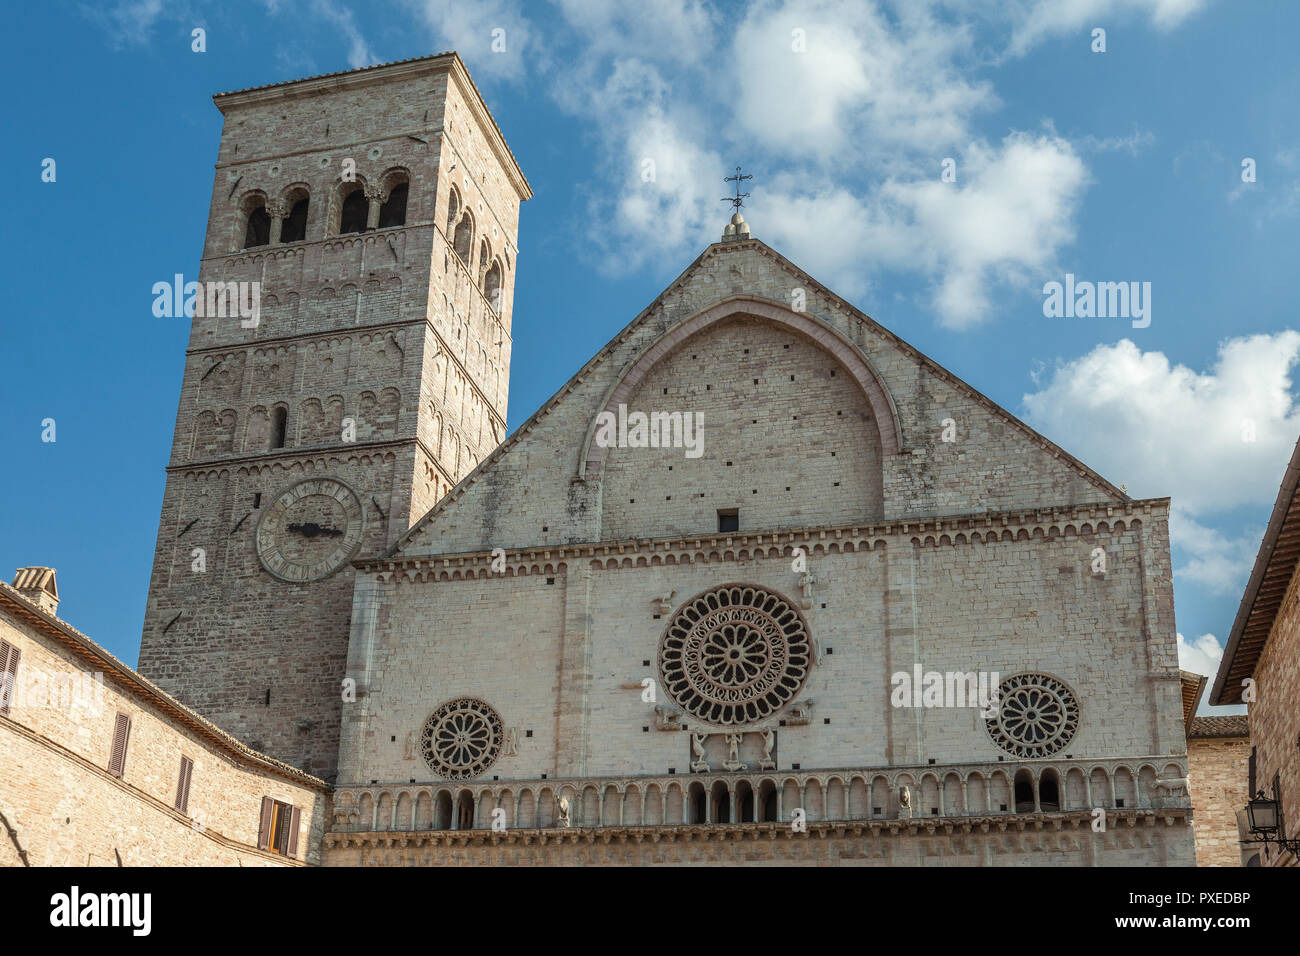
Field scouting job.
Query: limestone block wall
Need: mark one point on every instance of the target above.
(552, 641)
(1218, 770)
(65, 807)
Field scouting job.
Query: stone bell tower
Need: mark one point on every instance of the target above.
(372, 218)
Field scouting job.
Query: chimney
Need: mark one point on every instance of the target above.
(37, 585)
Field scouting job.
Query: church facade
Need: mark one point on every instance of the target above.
(760, 583)
(630, 654)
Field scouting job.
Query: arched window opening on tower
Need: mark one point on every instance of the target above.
(258, 231)
(492, 286)
(294, 228)
(453, 209)
(353, 213)
(393, 211)
(279, 425)
(464, 238)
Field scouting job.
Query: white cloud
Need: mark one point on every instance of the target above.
(847, 137)
(1165, 429)
(1039, 19)
(128, 22)
(470, 30)
(340, 19)
(1202, 656)
(1219, 563)
(673, 30)
(1009, 213)
(860, 86)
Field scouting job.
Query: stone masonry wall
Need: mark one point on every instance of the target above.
(1275, 718)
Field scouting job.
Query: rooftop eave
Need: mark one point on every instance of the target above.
(1270, 578)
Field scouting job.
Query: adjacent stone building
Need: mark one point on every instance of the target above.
(102, 768)
(1261, 665)
(1218, 757)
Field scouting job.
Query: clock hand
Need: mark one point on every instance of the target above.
(311, 529)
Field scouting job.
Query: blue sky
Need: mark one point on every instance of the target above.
(1123, 165)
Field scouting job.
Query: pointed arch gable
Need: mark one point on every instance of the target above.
(845, 352)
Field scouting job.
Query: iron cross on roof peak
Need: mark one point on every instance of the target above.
(738, 199)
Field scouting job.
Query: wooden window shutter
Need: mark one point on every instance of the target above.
(8, 675)
(183, 785)
(295, 819)
(121, 734)
(1251, 785)
(264, 831)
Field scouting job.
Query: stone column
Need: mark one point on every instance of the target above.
(377, 196)
(278, 210)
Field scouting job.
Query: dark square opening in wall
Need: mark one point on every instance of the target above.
(728, 519)
(257, 500)
(1120, 803)
(550, 580)
(645, 730)
(647, 663)
(826, 720)
(528, 733)
(793, 766)
(1002, 807)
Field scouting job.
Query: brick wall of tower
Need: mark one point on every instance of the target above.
(388, 328)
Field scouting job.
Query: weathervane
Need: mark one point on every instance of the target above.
(738, 199)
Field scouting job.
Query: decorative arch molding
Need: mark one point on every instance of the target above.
(592, 460)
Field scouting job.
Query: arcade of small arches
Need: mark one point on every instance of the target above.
(356, 206)
(488, 273)
(981, 790)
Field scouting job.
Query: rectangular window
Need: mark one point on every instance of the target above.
(121, 734)
(279, 828)
(8, 675)
(183, 785)
(1251, 775)
(729, 519)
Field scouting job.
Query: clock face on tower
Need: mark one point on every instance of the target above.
(310, 530)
